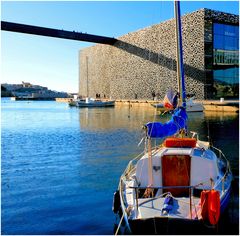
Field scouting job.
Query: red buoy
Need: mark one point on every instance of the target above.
(210, 204)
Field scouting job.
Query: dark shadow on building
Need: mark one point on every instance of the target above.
(160, 59)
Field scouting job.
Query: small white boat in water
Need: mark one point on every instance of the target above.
(90, 102)
(191, 106)
(179, 187)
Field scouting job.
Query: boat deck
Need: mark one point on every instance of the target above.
(149, 208)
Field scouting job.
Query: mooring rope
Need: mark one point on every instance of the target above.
(120, 222)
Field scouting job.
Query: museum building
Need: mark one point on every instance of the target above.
(144, 62)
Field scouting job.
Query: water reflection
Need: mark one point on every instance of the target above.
(118, 117)
(222, 129)
(54, 159)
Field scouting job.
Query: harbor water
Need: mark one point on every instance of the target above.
(61, 165)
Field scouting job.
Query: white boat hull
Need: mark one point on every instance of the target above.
(191, 107)
(95, 103)
(195, 107)
(206, 171)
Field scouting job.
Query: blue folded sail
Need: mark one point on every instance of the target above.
(176, 123)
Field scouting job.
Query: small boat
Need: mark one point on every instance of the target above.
(72, 102)
(194, 106)
(191, 106)
(181, 186)
(91, 102)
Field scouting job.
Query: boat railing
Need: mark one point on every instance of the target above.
(123, 202)
(222, 157)
(191, 188)
(221, 181)
(218, 185)
(131, 166)
(125, 176)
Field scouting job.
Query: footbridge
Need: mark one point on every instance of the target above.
(56, 33)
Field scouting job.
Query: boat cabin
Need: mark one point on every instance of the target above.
(178, 163)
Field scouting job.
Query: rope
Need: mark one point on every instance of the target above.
(162, 195)
(120, 222)
(195, 208)
(155, 229)
(145, 145)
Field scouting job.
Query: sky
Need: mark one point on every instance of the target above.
(53, 62)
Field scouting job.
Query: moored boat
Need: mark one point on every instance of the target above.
(72, 102)
(179, 187)
(191, 106)
(182, 182)
(90, 102)
(170, 102)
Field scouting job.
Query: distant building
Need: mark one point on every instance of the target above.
(5, 92)
(12, 87)
(143, 62)
(30, 91)
(26, 84)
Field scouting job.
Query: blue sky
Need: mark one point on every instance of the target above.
(53, 62)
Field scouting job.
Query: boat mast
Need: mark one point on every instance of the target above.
(180, 69)
(87, 74)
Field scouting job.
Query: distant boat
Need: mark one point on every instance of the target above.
(72, 102)
(182, 185)
(90, 102)
(191, 106)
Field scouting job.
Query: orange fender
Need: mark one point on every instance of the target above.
(214, 207)
(210, 204)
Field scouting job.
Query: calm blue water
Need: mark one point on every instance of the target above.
(61, 165)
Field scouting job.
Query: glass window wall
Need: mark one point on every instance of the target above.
(225, 60)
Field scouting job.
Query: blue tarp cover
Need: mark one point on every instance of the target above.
(176, 123)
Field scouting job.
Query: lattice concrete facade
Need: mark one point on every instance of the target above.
(144, 61)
